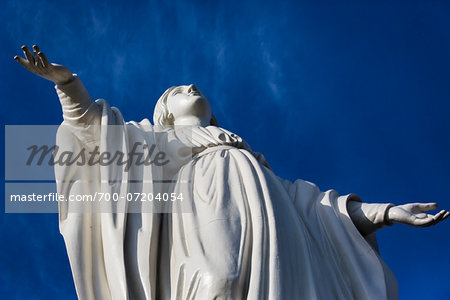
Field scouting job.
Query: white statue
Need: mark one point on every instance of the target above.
(248, 233)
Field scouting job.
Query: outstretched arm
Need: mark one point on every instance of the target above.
(369, 217)
(74, 98)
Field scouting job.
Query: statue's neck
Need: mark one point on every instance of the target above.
(191, 121)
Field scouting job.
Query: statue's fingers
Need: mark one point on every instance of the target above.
(446, 215)
(41, 64)
(28, 54)
(44, 60)
(36, 49)
(21, 61)
(27, 65)
(37, 62)
(440, 215)
(427, 206)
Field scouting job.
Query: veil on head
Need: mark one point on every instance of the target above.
(161, 112)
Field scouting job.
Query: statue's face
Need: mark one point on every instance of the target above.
(187, 101)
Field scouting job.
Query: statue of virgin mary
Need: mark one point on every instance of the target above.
(231, 229)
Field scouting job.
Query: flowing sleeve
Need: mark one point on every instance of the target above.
(76, 103)
(326, 214)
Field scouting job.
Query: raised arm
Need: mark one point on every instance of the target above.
(74, 98)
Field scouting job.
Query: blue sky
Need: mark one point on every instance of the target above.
(352, 96)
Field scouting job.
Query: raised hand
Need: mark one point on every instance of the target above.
(38, 64)
(414, 214)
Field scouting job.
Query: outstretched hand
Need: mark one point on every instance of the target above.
(38, 64)
(414, 214)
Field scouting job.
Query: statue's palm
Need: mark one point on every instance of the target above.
(414, 214)
(39, 65)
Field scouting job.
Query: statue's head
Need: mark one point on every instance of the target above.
(182, 102)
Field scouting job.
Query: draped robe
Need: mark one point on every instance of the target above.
(240, 232)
